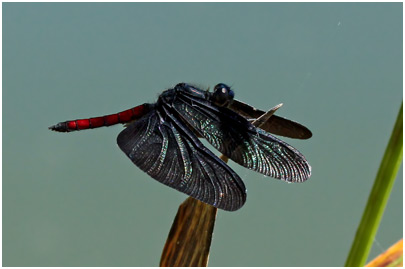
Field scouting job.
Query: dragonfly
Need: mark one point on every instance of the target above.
(163, 140)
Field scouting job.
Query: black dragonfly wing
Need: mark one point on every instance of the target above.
(173, 155)
(239, 140)
(275, 125)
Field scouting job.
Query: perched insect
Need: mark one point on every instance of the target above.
(162, 140)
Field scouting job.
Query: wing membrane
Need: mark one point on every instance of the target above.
(239, 140)
(174, 156)
(275, 125)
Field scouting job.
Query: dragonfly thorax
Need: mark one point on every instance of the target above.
(166, 96)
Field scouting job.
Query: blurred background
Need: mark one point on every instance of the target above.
(76, 200)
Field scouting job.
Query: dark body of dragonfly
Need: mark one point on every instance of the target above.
(162, 140)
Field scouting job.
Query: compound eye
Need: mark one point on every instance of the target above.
(222, 87)
(223, 95)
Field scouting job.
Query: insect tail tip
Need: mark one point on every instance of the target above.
(60, 127)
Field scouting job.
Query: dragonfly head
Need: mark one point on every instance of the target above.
(222, 95)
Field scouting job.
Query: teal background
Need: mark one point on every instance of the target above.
(76, 200)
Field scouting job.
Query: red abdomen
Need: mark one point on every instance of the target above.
(121, 117)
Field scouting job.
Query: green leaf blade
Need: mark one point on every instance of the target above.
(378, 198)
